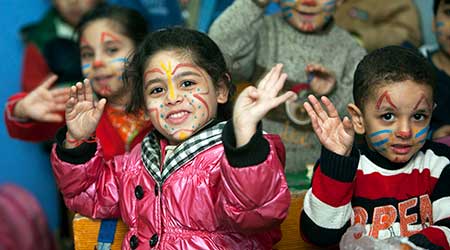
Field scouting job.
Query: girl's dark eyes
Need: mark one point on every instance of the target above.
(187, 84)
(156, 90)
(112, 50)
(87, 55)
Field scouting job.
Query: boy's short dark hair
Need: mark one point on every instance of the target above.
(436, 5)
(388, 65)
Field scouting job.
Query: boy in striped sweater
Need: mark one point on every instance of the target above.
(396, 183)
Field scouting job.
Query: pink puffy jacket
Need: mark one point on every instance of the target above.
(195, 199)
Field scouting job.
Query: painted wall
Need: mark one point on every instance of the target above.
(25, 164)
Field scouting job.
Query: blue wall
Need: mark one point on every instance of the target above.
(22, 163)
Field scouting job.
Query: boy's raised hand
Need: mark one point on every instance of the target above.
(335, 134)
(322, 80)
(82, 113)
(254, 102)
(43, 104)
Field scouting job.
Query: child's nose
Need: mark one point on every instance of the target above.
(173, 96)
(98, 63)
(404, 130)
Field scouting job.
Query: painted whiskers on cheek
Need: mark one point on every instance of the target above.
(380, 138)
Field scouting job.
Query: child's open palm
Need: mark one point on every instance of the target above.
(254, 103)
(335, 134)
(43, 104)
(82, 112)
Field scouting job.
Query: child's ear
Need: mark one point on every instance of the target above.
(222, 92)
(357, 118)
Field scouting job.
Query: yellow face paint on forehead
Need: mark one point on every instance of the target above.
(170, 85)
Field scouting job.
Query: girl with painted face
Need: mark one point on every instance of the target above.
(395, 183)
(107, 35)
(198, 181)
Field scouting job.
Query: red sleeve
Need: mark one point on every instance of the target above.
(34, 69)
(25, 129)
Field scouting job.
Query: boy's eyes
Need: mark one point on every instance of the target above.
(419, 117)
(387, 117)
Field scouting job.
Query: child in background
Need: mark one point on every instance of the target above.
(50, 41)
(396, 183)
(107, 35)
(312, 48)
(376, 24)
(440, 59)
(197, 182)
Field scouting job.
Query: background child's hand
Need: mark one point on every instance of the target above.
(322, 80)
(443, 131)
(43, 104)
(254, 103)
(82, 113)
(336, 135)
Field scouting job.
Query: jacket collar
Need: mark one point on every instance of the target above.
(153, 145)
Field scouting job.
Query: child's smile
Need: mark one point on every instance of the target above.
(180, 96)
(397, 118)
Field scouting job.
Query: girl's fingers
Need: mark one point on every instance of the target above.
(88, 90)
(49, 81)
(282, 98)
(80, 91)
(262, 83)
(52, 117)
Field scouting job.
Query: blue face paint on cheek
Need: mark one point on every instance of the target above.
(422, 132)
(86, 67)
(439, 26)
(382, 137)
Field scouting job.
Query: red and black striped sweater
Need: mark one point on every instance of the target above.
(410, 199)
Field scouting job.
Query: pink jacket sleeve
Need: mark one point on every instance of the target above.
(256, 197)
(89, 188)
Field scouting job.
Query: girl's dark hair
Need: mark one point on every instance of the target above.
(202, 51)
(130, 23)
(389, 65)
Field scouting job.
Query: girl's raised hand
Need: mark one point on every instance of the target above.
(43, 104)
(82, 113)
(335, 134)
(254, 103)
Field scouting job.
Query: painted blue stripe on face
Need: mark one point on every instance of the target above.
(333, 2)
(439, 24)
(379, 143)
(85, 66)
(385, 131)
(423, 131)
(120, 59)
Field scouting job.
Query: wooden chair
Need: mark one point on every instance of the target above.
(85, 233)
(86, 230)
(291, 239)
